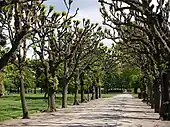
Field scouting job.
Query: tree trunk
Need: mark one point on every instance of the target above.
(151, 97)
(64, 93)
(88, 94)
(100, 95)
(41, 91)
(52, 83)
(156, 96)
(148, 92)
(82, 87)
(22, 89)
(96, 92)
(51, 98)
(97, 88)
(93, 92)
(50, 91)
(47, 86)
(2, 88)
(165, 96)
(75, 96)
(107, 90)
(35, 90)
(76, 90)
(23, 101)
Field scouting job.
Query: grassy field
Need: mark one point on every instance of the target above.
(10, 105)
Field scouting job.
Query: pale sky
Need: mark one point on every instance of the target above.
(88, 9)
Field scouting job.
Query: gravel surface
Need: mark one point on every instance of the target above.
(119, 111)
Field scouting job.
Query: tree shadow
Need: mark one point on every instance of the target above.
(135, 105)
(35, 98)
(116, 117)
(9, 96)
(132, 111)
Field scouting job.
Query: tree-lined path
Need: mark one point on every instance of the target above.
(119, 111)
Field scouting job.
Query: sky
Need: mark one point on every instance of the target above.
(88, 9)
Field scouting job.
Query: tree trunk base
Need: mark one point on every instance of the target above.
(85, 100)
(76, 102)
(152, 106)
(25, 116)
(156, 110)
(92, 98)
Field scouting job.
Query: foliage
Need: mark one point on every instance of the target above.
(11, 79)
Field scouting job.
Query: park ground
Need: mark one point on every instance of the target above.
(121, 110)
(10, 105)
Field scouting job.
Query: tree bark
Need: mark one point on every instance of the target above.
(93, 92)
(5, 58)
(96, 92)
(100, 95)
(156, 96)
(149, 92)
(165, 96)
(41, 91)
(52, 86)
(151, 97)
(64, 93)
(35, 90)
(52, 103)
(22, 89)
(107, 90)
(50, 91)
(82, 87)
(75, 96)
(47, 85)
(2, 88)
(76, 90)
(88, 94)
(23, 101)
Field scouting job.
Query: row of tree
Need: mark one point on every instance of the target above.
(67, 53)
(63, 48)
(140, 28)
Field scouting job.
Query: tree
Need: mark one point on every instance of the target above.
(48, 45)
(144, 29)
(17, 23)
(78, 46)
(1, 85)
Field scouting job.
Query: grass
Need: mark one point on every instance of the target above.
(135, 95)
(109, 95)
(10, 105)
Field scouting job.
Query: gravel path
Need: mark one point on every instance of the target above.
(119, 111)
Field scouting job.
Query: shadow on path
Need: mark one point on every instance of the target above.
(119, 111)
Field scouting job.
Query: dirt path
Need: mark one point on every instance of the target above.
(119, 111)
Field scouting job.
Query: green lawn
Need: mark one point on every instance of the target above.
(109, 95)
(10, 105)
